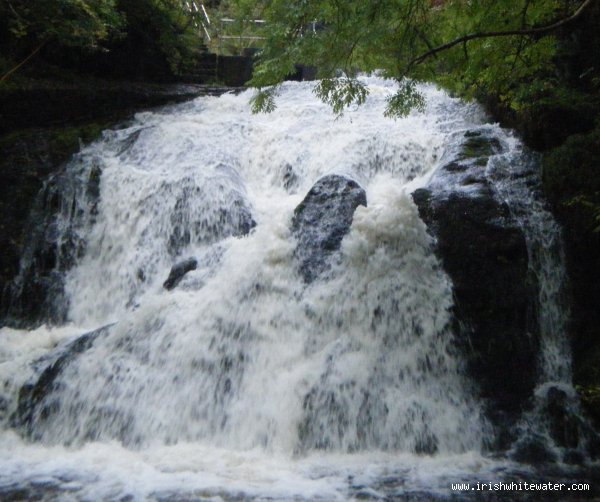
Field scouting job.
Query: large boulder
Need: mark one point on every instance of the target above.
(484, 252)
(322, 219)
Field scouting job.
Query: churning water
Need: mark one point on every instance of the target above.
(244, 381)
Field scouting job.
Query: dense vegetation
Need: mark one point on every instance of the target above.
(125, 38)
(500, 47)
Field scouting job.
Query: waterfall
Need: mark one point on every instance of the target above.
(243, 360)
(554, 419)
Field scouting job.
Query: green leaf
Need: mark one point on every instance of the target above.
(340, 93)
(263, 101)
(406, 98)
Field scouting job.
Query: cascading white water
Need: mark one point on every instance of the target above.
(181, 170)
(547, 265)
(546, 259)
(243, 361)
(247, 355)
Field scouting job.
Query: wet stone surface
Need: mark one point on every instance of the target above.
(322, 219)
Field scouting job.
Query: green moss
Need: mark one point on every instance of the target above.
(66, 141)
(478, 147)
(58, 143)
(571, 178)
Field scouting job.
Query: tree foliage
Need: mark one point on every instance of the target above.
(166, 27)
(159, 29)
(468, 46)
(83, 23)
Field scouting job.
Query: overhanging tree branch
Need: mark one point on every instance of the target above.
(14, 69)
(539, 30)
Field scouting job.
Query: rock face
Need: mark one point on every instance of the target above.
(35, 399)
(54, 244)
(178, 271)
(59, 102)
(205, 211)
(484, 252)
(199, 217)
(322, 219)
(40, 129)
(27, 189)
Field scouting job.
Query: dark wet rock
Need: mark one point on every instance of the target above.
(36, 295)
(48, 103)
(572, 186)
(29, 157)
(484, 252)
(290, 178)
(322, 220)
(209, 222)
(593, 445)
(563, 421)
(93, 186)
(478, 145)
(178, 271)
(35, 399)
(573, 457)
(569, 429)
(533, 450)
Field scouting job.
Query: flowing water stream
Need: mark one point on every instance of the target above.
(244, 382)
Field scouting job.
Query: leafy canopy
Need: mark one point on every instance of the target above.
(81, 23)
(467, 46)
(169, 30)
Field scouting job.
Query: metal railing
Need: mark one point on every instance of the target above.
(196, 8)
(243, 40)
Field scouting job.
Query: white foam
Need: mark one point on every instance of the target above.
(238, 380)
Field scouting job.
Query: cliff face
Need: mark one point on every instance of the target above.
(483, 249)
(564, 124)
(572, 183)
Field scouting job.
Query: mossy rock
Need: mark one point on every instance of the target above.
(571, 178)
(550, 121)
(477, 146)
(56, 144)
